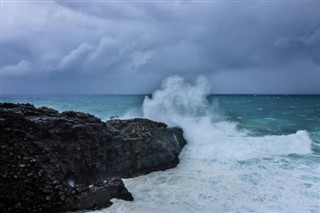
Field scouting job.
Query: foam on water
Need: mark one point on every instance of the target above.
(223, 169)
(185, 105)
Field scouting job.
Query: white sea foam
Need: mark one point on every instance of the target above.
(185, 105)
(222, 169)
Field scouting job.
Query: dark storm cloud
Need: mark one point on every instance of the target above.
(306, 44)
(138, 44)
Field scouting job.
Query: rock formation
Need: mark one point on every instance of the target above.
(56, 162)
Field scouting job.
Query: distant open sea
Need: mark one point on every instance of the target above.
(245, 153)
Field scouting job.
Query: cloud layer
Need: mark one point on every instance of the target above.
(119, 47)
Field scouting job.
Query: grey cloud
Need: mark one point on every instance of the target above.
(138, 59)
(76, 56)
(307, 44)
(20, 69)
(303, 78)
(14, 52)
(107, 51)
(122, 40)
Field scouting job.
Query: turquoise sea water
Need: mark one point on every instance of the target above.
(245, 153)
(261, 114)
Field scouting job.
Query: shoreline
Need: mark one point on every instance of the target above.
(74, 161)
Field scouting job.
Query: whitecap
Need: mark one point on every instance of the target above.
(222, 169)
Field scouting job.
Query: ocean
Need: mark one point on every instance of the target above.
(245, 153)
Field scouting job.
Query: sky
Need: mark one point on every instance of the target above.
(112, 47)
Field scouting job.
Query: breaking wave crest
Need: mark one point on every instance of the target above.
(179, 103)
(222, 168)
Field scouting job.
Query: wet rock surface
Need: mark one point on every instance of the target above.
(57, 162)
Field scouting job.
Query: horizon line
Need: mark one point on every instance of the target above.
(124, 94)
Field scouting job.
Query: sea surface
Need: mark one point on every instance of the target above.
(245, 153)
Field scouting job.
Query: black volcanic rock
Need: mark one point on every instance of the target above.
(55, 162)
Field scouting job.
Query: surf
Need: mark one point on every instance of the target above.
(223, 168)
(179, 103)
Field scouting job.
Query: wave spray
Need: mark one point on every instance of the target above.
(222, 168)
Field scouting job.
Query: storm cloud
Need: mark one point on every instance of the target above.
(122, 47)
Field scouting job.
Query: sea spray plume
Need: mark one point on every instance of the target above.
(223, 169)
(179, 103)
(178, 99)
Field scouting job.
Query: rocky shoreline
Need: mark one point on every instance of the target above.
(69, 161)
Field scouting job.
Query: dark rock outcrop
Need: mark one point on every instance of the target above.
(55, 162)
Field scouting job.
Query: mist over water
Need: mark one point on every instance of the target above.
(223, 168)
